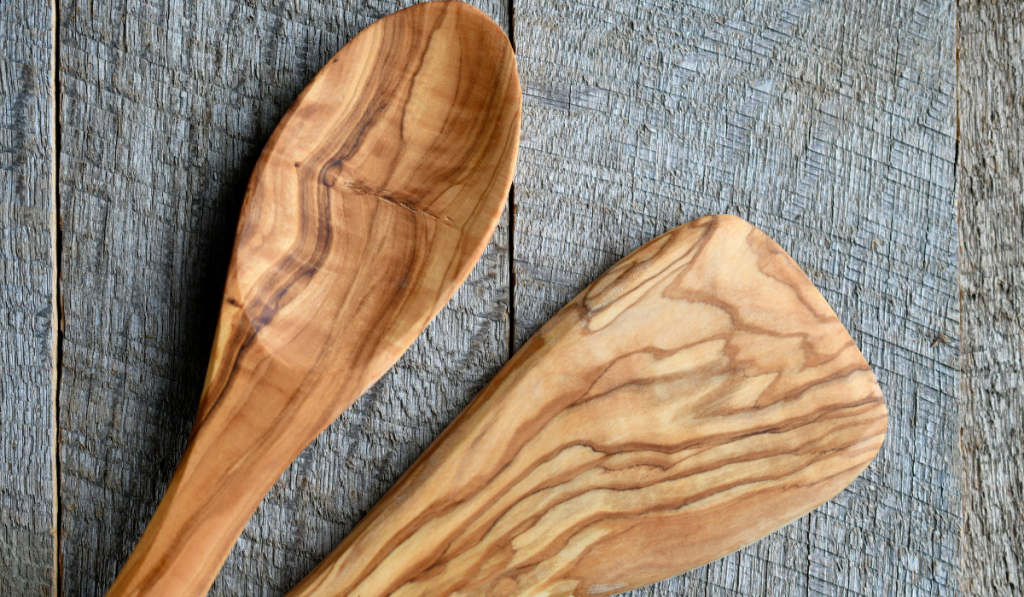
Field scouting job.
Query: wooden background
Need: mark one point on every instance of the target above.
(876, 141)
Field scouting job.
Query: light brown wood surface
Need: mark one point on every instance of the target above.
(696, 397)
(370, 204)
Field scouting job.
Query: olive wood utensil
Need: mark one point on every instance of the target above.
(696, 397)
(369, 206)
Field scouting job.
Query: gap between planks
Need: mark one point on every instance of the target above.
(57, 313)
(512, 216)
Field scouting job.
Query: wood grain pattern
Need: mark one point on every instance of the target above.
(990, 185)
(696, 397)
(367, 209)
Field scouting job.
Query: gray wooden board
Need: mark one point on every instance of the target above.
(830, 125)
(27, 320)
(990, 173)
(165, 107)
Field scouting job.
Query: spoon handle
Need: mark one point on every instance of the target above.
(239, 448)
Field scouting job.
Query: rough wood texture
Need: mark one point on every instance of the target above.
(371, 203)
(165, 108)
(830, 126)
(696, 397)
(991, 192)
(27, 317)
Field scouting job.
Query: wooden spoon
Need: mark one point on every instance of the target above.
(696, 397)
(368, 208)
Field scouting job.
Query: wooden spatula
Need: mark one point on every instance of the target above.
(696, 397)
(369, 206)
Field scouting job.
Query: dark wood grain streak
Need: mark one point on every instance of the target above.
(696, 397)
(329, 285)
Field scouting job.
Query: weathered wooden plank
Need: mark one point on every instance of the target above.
(831, 126)
(27, 278)
(165, 107)
(991, 193)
